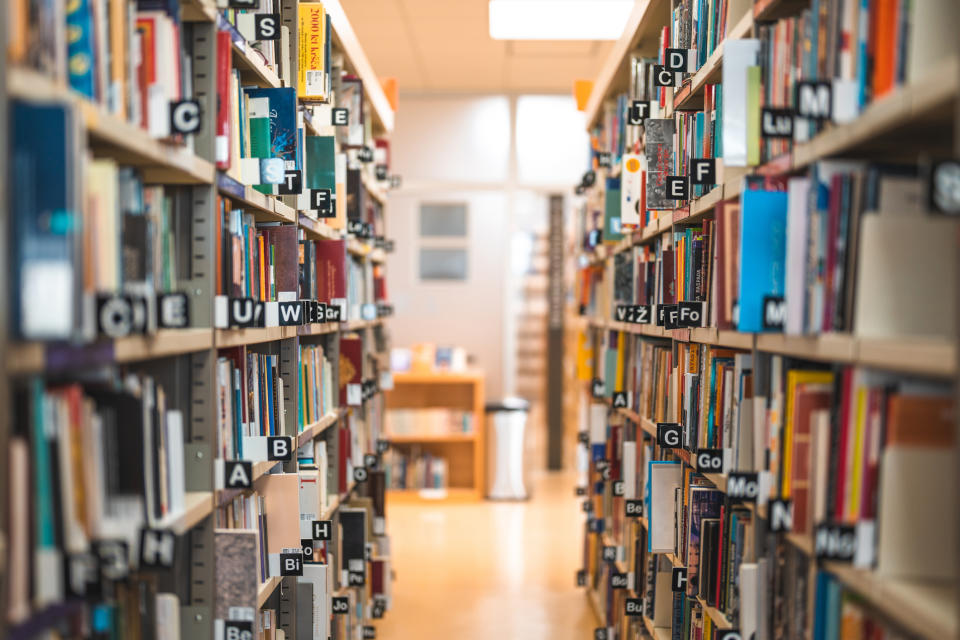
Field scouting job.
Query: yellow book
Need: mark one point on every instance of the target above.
(856, 473)
(311, 61)
(584, 358)
(621, 340)
(796, 378)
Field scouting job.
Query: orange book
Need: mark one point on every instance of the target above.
(884, 48)
(920, 421)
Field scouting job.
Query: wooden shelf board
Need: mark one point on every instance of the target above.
(264, 207)
(311, 431)
(925, 609)
(414, 438)
(450, 494)
(437, 377)
(317, 228)
(197, 506)
(359, 325)
(25, 358)
(719, 618)
(318, 328)
(248, 60)
(266, 590)
(595, 605)
(238, 337)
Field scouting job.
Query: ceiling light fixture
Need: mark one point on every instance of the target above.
(558, 19)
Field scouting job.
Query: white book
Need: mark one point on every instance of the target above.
(749, 594)
(316, 575)
(665, 477)
(167, 616)
(176, 471)
(798, 193)
(632, 170)
(738, 55)
(629, 469)
(598, 423)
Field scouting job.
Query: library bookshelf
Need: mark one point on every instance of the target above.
(329, 437)
(462, 451)
(641, 379)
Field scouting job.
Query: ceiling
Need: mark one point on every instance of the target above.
(445, 46)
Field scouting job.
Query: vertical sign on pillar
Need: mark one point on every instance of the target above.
(555, 299)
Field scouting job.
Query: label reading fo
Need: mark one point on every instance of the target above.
(743, 486)
(634, 508)
(669, 435)
(689, 314)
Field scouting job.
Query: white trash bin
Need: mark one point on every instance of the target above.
(506, 431)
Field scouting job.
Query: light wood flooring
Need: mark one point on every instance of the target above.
(491, 570)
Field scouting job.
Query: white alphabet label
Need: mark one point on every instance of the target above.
(743, 486)
(669, 435)
(267, 26)
(185, 116)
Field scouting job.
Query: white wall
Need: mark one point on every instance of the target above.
(465, 149)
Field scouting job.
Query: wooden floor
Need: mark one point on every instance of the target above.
(488, 570)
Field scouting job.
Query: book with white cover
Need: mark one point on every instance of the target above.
(665, 477)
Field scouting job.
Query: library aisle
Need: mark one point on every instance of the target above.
(489, 569)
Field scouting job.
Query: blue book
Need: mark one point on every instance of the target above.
(820, 606)
(763, 253)
(45, 221)
(238, 413)
(80, 60)
(270, 397)
(832, 617)
(283, 123)
(611, 212)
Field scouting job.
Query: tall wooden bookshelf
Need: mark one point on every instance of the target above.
(915, 121)
(184, 360)
(463, 452)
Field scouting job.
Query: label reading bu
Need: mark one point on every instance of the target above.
(634, 607)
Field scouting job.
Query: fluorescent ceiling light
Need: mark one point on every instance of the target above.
(558, 19)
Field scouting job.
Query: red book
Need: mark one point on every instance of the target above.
(286, 256)
(331, 269)
(343, 454)
(351, 364)
(224, 62)
(841, 471)
(806, 401)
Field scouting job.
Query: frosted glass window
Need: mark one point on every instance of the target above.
(443, 220)
(443, 264)
(552, 142)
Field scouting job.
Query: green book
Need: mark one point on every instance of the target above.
(321, 170)
(258, 118)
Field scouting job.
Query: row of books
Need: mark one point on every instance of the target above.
(428, 421)
(89, 465)
(841, 444)
(317, 387)
(817, 243)
(254, 531)
(861, 51)
(415, 469)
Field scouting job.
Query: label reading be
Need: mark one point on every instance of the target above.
(634, 508)
(618, 580)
